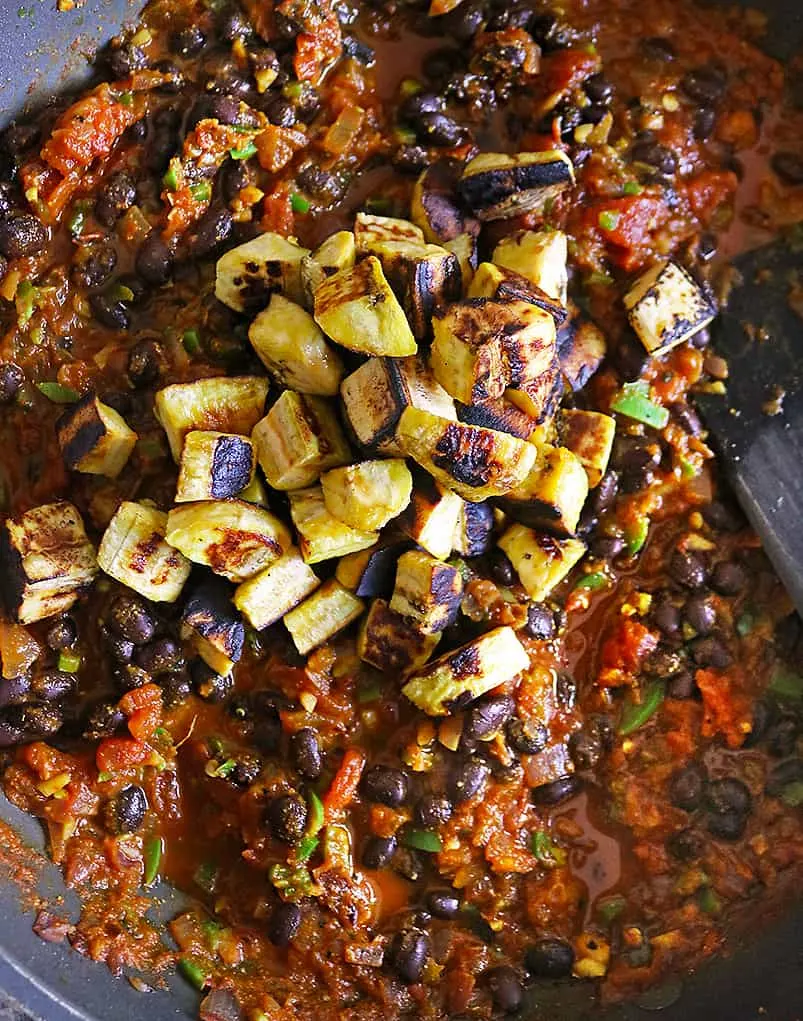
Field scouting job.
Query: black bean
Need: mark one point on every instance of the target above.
(629, 358)
(788, 166)
(549, 957)
(598, 88)
(188, 42)
(526, 737)
(723, 516)
(235, 176)
(703, 125)
(711, 652)
(763, 715)
(378, 852)
(571, 117)
(126, 58)
(682, 685)
(728, 826)
(540, 621)
(52, 685)
(410, 159)
(466, 779)
(699, 613)
(606, 547)
(176, 688)
(144, 363)
(505, 988)
(286, 816)
(438, 64)
(687, 569)
(320, 183)
(173, 81)
(94, 264)
(557, 791)
(234, 25)
(247, 769)
(11, 379)
(280, 111)
(420, 103)
(22, 235)
(658, 47)
(110, 311)
(685, 845)
(385, 785)
(308, 104)
(30, 721)
(116, 196)
(502, 570)
(487, 716)
(464, 22)
(215, 688)
(104, 720)
(154, 261)
(704, 84)
(15, 690)
(728, 578)
(585, 747)
(11, 733)
(213, 228)
(666, 617)
(781, 736)
(566, 689)
(604, 495)
(443, 903)
(305, 749)
(433, 810)
(121, 400)
(126, 812)
(687, 786)
(159, 656)
(687, 417)
(127, 677)
(438, 129)
(728, 795)
(225, 109)
(594, 113)
(407, 954)
(285, 921)
(130, 618)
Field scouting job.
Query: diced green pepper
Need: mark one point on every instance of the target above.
(153, 859)
(635, 714)
(191, 340)
(170, 179)
(709, 901)
(57, 393)
(546, 851)
(633, 401)
(316, 814)
(632, 188)
(245, 153)
(298, 203)
(126, 99)
(69, 662)
(592, 582)
(306, 848)
(636, 536)
(193, 973)
(422, 840)
(26, 299)
(609, 908)
(292, 881)
(608, 219)
(202, 191)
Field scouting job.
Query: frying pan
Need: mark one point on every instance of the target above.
(41, 52)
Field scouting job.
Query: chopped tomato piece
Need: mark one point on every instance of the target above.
(276, 146)
(563, 69)
(117, 754)
(345, 783)
(624, 651)
(277, 211)
(708, 190)
(89, 129)
(626, 225)
(727, 709)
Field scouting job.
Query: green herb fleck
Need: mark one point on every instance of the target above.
(126, 99)
(153, 859)
(422, 840)
(170, 179)
(546, 851)
(632, 188)
(26, 298)
(636, 536)
(592, 582)
(608, 219)
(57, 393)
(709, 901)
(191, 340)
(298, 203)
(104, 777)
(224, 769)
(202, 191)
(745, 624)
(609, 908)
(69, 662)
(635, 714)
(245, 153)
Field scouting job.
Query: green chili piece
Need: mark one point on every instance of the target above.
(709, 901)
(633, 401)
(193, 973)
(298, 203)
(636, 714)
(608, 219)
(57, 393)
(592, 582)
(69, 662)
(369, 692)
(632, 188)
(546, 851)
(26, 298)
(191, 340)
(170, 179)
(611, 907)
(422, 840)
(245, 153)
(636, 536)
(201, 192)
(224, 769)
(104, 777)
(316, 814)
(306, 848)
(153, 859)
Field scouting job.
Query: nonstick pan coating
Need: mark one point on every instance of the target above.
(43, 51)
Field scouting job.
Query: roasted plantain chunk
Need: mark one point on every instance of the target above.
(477, 463)
(589, 435)
(246, 276)
(496, 186)
(213, 628)
(214, 466)
(431, 518)
(434, 206)
(226, 404)
(236, 539)
(666, 306)
(387, 641)
(539, 398)
(464, 247)
(466, 673)
(369, 494)
(46, 561)
(541, 561)
(134, 551)
(298, 439)
(501, 415)
(321, 535)
(357, 308)
(94, 438)
(329, 609)
(276, 590)
(473, 535)
(369, 229)
(427, 591)
(540, 257)
(337, 252)
(501, 284)
(425, 278)
(371, 572)
(552, 496)
(581, 349)
(376, 394)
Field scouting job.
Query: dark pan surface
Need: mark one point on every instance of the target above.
(43, 51)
